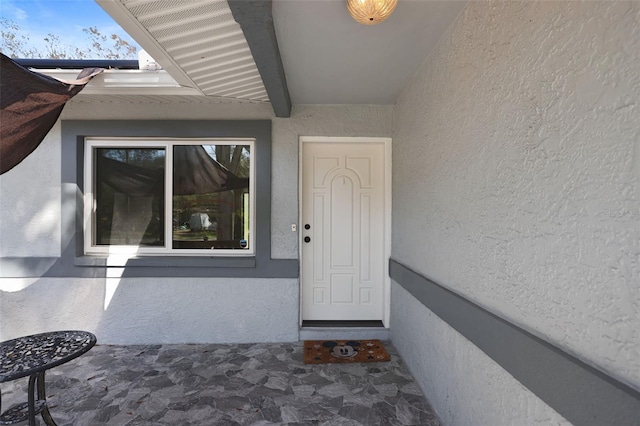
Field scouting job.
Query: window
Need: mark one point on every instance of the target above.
(80, 257)
(169, 196)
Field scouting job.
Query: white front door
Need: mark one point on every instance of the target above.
(343, 229)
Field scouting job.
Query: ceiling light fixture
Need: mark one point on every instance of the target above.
(371, 12)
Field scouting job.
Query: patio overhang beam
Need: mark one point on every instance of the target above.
(256, 20)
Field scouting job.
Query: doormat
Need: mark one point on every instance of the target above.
(344, 351)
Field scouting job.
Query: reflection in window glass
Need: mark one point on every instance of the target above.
(129, 196)
(210, 189)
(169, 196)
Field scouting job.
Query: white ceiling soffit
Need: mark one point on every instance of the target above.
(197, 41)
(329, 58)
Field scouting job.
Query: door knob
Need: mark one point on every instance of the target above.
(307, 239)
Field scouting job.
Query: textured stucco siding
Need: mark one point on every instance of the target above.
(176, 310)
(311, 120)
(151, 310)
(464, 385)
(38, 177)
(30, 207)
(516, 170)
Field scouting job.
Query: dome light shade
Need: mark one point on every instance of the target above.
(371, 12)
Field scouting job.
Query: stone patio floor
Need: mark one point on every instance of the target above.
(213, 384)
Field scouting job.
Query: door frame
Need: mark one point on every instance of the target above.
(386, 286)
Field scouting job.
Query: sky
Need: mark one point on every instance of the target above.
(63, 18)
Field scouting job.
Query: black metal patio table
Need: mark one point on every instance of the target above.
(32, 356)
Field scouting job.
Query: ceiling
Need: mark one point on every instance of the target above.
(285, 51)
(331, 59)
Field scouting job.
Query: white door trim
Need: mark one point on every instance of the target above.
(387, 209)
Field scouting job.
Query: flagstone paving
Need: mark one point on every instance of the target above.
(244, 384)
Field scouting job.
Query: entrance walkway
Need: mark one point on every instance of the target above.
(247, 384)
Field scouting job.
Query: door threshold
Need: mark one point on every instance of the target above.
(341, 324)
(344, 330)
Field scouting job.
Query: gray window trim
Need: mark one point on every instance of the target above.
(74, 263)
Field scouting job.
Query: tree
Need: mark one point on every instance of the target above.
(119, 48)
(100, 46)
(230, 218)
(14, 45)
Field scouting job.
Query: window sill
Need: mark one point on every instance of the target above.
(166, 261)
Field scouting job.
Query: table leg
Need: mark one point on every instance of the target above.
(46, 416)
(32, 400)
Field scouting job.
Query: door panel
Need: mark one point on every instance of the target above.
(343, 202)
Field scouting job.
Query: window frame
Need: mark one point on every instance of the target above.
(166, 143)
(74, 263)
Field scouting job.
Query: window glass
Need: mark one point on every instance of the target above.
(129, 196)
(210, 185)
(178, 196)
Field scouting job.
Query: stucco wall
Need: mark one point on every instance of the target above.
(152, 310)
(516, 184)
(464, 385)
(309, 120)
(177, 310)
(30, 203)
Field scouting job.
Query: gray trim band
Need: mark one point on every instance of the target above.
(579, 392)
(54, 267)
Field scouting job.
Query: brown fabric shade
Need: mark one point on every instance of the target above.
(129, 179)
(195, 172)
(30, 104)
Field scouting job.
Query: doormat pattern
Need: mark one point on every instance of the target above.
(344, 351)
